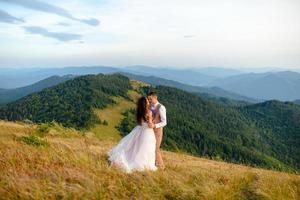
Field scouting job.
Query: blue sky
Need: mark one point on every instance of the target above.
(179, 33)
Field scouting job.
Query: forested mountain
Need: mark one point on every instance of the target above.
(265, 134)
(284, 86)
(9, 95)
(69, 103)
(212, 93)
(279, 124)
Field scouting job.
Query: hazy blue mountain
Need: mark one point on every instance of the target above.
(284, 86)
(297, 101)
(212, 93)
(9, 95)
(186, 76)
(218, 71)
(14, 78)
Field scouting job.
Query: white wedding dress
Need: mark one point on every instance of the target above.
(136, 151)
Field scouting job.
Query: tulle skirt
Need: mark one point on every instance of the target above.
(136, 151)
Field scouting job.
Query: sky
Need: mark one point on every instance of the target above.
(176, 33)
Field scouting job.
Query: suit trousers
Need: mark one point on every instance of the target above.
(158, 160)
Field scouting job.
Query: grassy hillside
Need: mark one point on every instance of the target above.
(111, 117)
(49, 161)
(52, 162)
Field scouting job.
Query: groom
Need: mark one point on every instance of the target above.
(160, 120)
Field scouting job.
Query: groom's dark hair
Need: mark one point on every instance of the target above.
(152, 93)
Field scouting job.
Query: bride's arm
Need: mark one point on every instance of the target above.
(149, 119)
(149, 116)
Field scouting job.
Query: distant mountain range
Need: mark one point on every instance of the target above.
(212, 93)
(218, 71)
(284, 86)
(187, 76)
(15, 78)
(8, 95)
(10, 79)
(280, 85)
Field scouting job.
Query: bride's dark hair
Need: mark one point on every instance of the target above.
(141, 110)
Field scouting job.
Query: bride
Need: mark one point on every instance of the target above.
(136, 151)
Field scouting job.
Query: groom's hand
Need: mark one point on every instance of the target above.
(151, 125)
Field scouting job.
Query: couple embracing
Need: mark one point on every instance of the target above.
(140, 149)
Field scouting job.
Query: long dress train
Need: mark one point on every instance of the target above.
(136, 151)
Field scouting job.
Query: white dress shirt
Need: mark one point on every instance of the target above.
(163, 116)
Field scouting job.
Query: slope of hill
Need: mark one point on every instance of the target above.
(207, 129)
(9, 95)
(196, 126)
(52, 162)
(212, 93)
(69, 103)
(283, 86)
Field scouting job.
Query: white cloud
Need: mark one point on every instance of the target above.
(233, 33)
(42, 6)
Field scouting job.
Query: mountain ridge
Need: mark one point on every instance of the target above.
(284, 86)
(212, 92)
(69, 103)
(9, 95)
(276, 84)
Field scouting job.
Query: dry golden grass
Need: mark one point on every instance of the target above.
(74, 166)
(11, 129)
